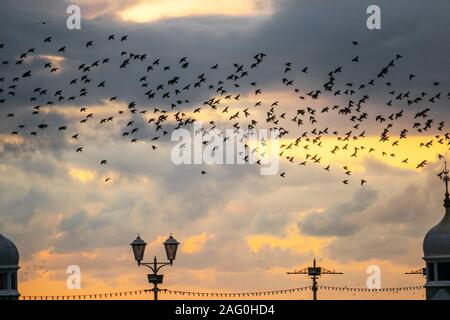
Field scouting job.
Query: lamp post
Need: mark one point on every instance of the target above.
(171, 246)
(314, 273)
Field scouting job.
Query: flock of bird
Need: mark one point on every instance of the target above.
(301, 129)
(35, 271)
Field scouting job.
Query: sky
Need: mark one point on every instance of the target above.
(239, 230)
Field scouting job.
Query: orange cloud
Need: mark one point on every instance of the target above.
(147, 11)
(82, 175)
(195, 244)
(10, 139)
(408, 150)
(292, 240)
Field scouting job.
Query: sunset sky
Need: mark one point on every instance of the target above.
(240, 231)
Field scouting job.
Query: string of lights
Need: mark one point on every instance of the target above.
(350, 289)
(235, 294)
(215, 294)
(167, 291)
(87, 296)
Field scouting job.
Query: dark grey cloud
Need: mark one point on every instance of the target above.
(393, 228)
(291, 34)
(338, 220)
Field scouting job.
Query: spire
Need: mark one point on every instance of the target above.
(446, 179)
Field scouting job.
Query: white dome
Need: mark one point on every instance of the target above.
(437, 240)
(9, 256)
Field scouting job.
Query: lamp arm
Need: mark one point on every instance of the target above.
(155, 267)
(148, 265)
(161, 265)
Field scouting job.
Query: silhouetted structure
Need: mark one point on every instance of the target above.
(314, 273)
(436, 249)
(9, 264)
(170, 245)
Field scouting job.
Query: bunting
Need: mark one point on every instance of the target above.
(220, 294)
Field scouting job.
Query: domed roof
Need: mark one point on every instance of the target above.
(437, 240)
(9, 256)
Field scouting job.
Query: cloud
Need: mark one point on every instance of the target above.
(44, 209)
(81, 174)
(394, 228)
(195, 243)
(338, 220)
(149, 11)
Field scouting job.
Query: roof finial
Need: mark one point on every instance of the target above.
(446, 179)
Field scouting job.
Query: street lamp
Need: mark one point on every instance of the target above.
(171, 246)
(138, 246)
